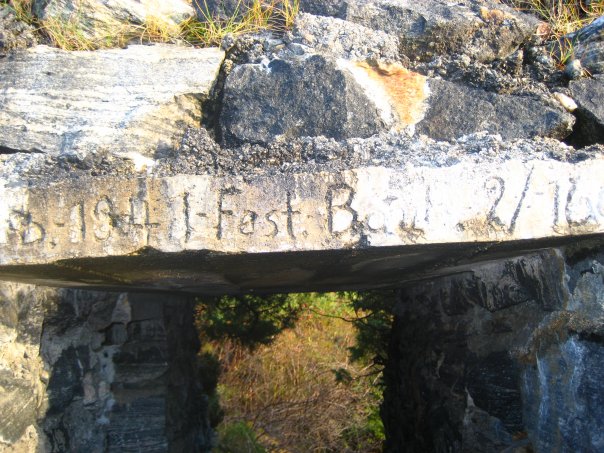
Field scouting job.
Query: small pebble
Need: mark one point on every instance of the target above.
(566, 101)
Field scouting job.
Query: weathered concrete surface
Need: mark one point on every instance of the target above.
(189, 231)
(139, 99)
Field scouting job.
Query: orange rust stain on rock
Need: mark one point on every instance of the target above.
(407, 90)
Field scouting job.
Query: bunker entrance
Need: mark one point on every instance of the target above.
(467, 360)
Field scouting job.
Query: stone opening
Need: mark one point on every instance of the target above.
(473, 361)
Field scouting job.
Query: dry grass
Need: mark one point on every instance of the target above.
(287, 394)
(274, 15)
(561, 17)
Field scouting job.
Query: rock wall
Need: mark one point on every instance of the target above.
(99, 372)
(506, 355)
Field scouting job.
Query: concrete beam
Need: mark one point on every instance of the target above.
(356, 227)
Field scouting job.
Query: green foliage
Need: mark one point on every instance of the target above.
(250, 320)
(22, 9)
(561, 17)
(373, 322)
(238, 437)
(209, 373)
(366, 436)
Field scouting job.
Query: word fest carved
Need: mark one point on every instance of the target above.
(341, 217)
(247, 222)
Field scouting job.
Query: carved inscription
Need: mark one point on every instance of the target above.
(247, 224)
(415, 217)
(272, 220)
(496, 188)
(574, 210)
(340, 215)
(28, 231)
(290, 216)
(103, 219)
(222, 212)
(187, 215)
(140, 218)
(411, 230)
(77, 224)
(579, 210)
(278, 214)
(250, 222)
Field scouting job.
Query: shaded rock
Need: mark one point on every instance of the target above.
(138, 393)
(96, 19)
(589, 95)
(308, 96)
(14, 34)
(562, 392)
(519, 377)
(485, 30)
(65, 385)
(574, 70)
(136, 100)
(456, 110)
(317, 95)
(452, 383)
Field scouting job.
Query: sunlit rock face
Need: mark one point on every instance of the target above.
(134, 100)
(105, 20)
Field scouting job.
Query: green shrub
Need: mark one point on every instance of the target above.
(237, 437)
